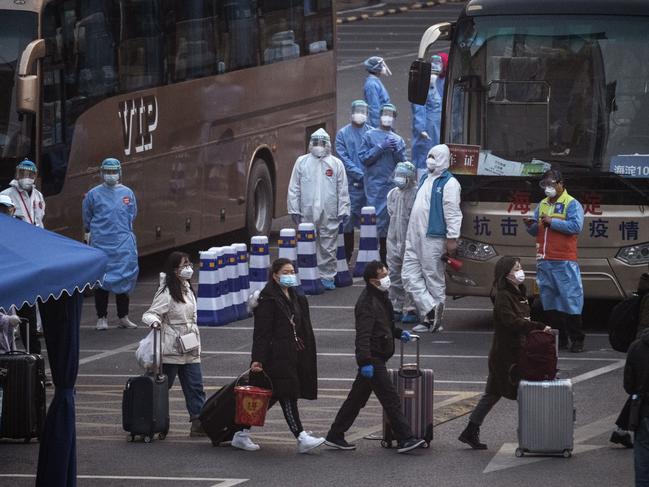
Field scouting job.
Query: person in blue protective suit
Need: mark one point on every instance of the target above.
(348, 143)
(375, 93)
(557, 223)
(400, 202)
(380, 152)
(427, 119)
(108, 214)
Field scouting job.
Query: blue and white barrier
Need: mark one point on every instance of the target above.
(287, 245)
(307, 261)
(226, 310)
(206, 302)
(259, 263)
(232, 299)
(368, 248)
(243, 275)
(343, 276)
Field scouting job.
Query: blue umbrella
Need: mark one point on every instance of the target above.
(38, 265)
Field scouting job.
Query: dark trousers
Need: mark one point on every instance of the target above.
(349, 245)
(29, 313)
(291, 414)
(570, 326)
(383, 250)
(641, 454)
(101, 303)
(382, 386)
(486, 404)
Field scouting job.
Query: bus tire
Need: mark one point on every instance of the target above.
(259, 200)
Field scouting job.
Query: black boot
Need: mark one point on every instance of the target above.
(471, 436)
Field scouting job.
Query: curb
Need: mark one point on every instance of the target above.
(394, 10)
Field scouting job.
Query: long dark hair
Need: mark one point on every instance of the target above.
(503, 268)
(172, 281)
(277, 265)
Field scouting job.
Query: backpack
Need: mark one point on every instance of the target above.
(538, 357)
(623, 323)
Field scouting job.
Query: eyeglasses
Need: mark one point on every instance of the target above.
(546, 183)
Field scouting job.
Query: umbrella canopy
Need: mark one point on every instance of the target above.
(36, 263)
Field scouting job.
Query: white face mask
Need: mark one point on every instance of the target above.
(387, 120)
(359, 118)
(186, 273)
(318, 151)
(433, 79)
(519, 276)
(384, 283)
(400, 182)
(111, 179)
(550, 192)
(26, 183)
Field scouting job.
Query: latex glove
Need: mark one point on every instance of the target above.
(367, 371)
(256, 367)
(13, 320)
(388, 143)
(451, 246)
(86, 238)
(296, 218)
(405, 336)
(425, 135)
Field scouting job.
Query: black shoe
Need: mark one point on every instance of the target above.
(339, 443)
(471, 436)
(577, 346)
(623, 439)
(409, 444)
(563, 345)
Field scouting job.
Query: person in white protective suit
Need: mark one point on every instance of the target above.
(400, 201)
(318, 194)
(433, 231)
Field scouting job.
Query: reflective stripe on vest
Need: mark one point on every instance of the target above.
(550, 244)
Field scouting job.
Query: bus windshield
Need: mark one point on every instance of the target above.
(571, 91)
(17, 29)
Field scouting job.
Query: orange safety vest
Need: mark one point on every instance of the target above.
(550, 244)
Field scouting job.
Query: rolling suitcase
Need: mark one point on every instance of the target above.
(217, 415)
(145, 401)
(22, 378)
(415, 388)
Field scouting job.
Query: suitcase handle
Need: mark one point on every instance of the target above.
(410, 370)
(157, 345)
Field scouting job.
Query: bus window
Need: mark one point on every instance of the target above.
(318, 26)
(195, 43)
(281, 29)
(240, 33)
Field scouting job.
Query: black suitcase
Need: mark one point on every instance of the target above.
(145, 402)
(22, 378)
(217, 415)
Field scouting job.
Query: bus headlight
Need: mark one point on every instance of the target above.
(472, 249)
(634, 254)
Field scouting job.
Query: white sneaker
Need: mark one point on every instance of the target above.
(242, 441)
(420, 328)
(437, 321)
(102, 324)
(306, 442)
(124, 322)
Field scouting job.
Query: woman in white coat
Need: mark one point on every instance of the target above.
(174, 310)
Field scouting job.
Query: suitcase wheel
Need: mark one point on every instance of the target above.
(426, 445)
(147, 439)
(567, 453)
(386, 444)
(162, 436)
(519, 452)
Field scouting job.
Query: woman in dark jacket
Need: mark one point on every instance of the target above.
(511, 324)
(284, 348)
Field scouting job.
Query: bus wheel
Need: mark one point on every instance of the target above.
(259, 206)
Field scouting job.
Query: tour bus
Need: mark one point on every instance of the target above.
(535, 84)
(207, 104)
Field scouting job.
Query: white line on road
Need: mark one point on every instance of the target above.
(109, 353)
(390, 58)
(221, 482)
(360, 9)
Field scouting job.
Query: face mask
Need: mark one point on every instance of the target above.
(359, 118)
(387, 120)
(400, 182)
(518, 276)
(26, 183)
(433, 79)
(111, 179)
(384, 283)
(431, 164)
(186, 272)
(436, 68)
(288, 280)
(318, 151)
(550, 192)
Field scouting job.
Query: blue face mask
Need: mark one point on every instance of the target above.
(288, 280)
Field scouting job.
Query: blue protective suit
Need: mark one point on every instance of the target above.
(379, 166)
(427, 118)
(375, 96)
(348, 143)
(108, 214)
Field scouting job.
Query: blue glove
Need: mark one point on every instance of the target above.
(388, 143)
(367, 371)
(405, 336)
(296, 218)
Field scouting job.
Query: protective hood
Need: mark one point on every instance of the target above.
(442, 156)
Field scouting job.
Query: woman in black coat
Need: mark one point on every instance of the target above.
(284, 348)
(511, 324)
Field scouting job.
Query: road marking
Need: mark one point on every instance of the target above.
(221, 482)
(390, 58)
(109, 353)
(368, 7)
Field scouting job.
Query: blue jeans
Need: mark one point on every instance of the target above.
(191, 380)
(641, 454)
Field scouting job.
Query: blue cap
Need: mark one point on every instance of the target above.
(111, 163)
(27, 165)
(406, 169)
(373, 64)
(389, 106)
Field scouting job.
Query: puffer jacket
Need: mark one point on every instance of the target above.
(177, 319)
(636, 371)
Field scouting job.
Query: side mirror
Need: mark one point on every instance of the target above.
(418, 82)
(28, 82)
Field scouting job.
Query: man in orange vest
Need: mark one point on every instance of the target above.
(558, 221)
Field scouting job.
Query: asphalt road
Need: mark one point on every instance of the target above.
(458, 356)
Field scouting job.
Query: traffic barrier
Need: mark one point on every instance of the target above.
(368, 247)
(259, 263)
(307, 261)
(224, 301)
(243, 274)
(287, 245)
(343, 276)
(233, 296)
(206, 302)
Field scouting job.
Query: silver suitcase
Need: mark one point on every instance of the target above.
(546, 417)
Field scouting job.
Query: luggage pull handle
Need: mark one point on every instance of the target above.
(410, 370)
(157, 345)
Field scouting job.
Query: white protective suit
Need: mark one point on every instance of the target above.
(423, 270)
(400, 202)
(318, 193)
(29, 207)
